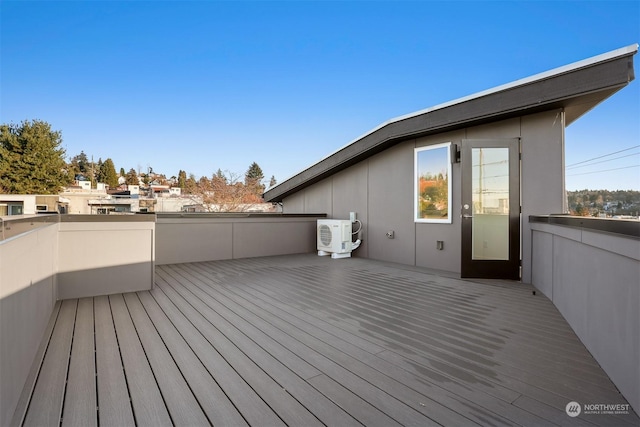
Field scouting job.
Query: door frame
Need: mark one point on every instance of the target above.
(493, 269)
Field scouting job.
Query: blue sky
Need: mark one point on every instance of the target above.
(209, 85)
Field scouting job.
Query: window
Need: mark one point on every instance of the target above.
(15, 209)
(432, 183)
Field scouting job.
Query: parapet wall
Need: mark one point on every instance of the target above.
(590, 269)
(208, 237)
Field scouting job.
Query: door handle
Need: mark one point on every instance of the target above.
(467, 216)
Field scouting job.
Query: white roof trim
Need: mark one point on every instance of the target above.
(631, 49)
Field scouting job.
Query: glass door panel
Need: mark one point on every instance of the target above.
(490, 198)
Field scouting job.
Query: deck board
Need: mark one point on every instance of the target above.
(148, 405)
(254, 409)
(80, 403)
(248, 366)
(367, 382)
(46, 404)
(304, 340)
(114, 404)
(277, 360)
(387, 328)
(445, 393)
(180, 401)
(215, 404)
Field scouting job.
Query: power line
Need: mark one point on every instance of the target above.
(602, 161)
(605, 155)
(606, 170)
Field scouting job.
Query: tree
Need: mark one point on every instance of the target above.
(122, 172)
(253, 179)
(222, 193)
(253, 175)
(190, 185)
(132, 177)
(107, 174)
(220, 175)
(272, 181)
(80, 163)
(32, 159)
(182, 179)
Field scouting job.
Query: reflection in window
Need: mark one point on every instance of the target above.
(433, 183)
(490, 180)
(490, 195)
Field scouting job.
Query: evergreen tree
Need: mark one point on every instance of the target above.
(272, 181)
(182, 179)
(253, 179)
(220, 176)
(132, 177)
(108, 174)
(191, 185)
(32, 159)
(122, 172)
(254, 174)
(80, 163)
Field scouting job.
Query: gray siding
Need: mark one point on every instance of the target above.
(380, 190)
(427, 254)
(542, 182)
(351, 189)
(391, 205)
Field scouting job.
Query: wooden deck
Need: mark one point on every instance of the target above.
(304, 341)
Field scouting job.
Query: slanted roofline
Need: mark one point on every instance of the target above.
(576, 87)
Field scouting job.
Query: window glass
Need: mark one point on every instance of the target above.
(433, 183)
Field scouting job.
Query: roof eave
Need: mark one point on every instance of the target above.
(577, 87)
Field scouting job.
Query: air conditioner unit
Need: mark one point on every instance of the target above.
(334, 238)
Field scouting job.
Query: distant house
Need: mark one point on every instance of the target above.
(502, 152)
(29, 204)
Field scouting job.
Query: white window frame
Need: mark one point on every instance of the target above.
(416, 186)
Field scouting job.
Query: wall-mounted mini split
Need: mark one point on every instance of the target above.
(390, 234)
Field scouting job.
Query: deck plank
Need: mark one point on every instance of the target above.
(252, 337)
(361, 410)
(177, 395)
(148, 406)
(252, 406)
(275, 362)
(282, 403)
(523, 379)
(363, 307)
(216, 405)
(475, 404)
(47, 400)
(344, 349)
(384, 328)
(80, 404)
(114, 404)
(373, 385)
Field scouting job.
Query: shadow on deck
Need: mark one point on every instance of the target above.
(303, 340)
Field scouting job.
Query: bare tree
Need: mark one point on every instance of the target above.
(224, 192)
